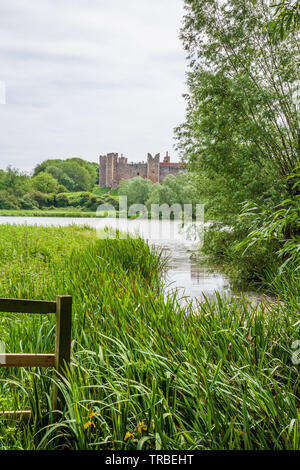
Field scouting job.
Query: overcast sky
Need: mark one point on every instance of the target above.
(87, 77)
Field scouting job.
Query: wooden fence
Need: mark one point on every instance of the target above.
(60, 360)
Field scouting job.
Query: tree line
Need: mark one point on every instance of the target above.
(49, 184)
(74, 183)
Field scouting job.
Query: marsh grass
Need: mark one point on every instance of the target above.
(218, 377)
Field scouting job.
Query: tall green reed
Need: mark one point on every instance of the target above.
(146, 372)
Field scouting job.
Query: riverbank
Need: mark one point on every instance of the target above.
(185, 272)
(71, 212)
(53, 213)
(158, 375)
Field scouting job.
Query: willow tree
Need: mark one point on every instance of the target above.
(242, 123)
(286, 18)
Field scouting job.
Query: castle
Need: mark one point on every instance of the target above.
(114, 168)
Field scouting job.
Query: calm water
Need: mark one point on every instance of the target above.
(185, 270)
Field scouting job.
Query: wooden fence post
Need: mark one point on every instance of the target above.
(62, 341)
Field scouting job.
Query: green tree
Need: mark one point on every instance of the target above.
(75, 174)
(15, 180)
(28, 203)
(79, 174)
(68, 182)
(45, 183)
(136, 189)
(286, 19)
(62, 200)
(55, 171)
(181, 189)
(184, 187)
(8, 200)
(241, 133)
(161, 195)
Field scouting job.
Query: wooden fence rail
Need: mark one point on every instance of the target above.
(60, 360)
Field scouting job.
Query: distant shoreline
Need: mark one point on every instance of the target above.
(50, 213)
(65, 214)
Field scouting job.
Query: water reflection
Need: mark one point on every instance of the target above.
(185, 270)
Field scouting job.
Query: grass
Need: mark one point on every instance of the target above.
(114, 192)
(65, 212)
(100, 191)
(220, 377)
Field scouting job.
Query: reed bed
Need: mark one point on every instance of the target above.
(146, 372)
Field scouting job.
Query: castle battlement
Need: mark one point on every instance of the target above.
(114, 168)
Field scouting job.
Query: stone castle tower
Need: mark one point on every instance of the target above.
(153, 168)
(114, 168)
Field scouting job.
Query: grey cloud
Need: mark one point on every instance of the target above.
(86, 77)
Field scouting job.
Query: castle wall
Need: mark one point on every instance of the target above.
(113, 169)
(131, 170)
(166, 170)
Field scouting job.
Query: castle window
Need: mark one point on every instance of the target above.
(138, 174)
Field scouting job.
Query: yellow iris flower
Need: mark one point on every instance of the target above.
(129, 435)
(88, 424)
(142, 427)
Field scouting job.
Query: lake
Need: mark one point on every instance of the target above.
(185, 270)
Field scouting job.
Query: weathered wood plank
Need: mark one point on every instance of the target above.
(27, 360)
(27, 306)
(60, 360)
(62, 340)
(25, 414)
(18, 414)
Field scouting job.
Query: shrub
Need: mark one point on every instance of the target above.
(39, 197)
(8, 201)
(107, 199)
(27, 203)
(279, 224)
(62, 189)
(62, 200)
(244, 268)
(43, 200)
